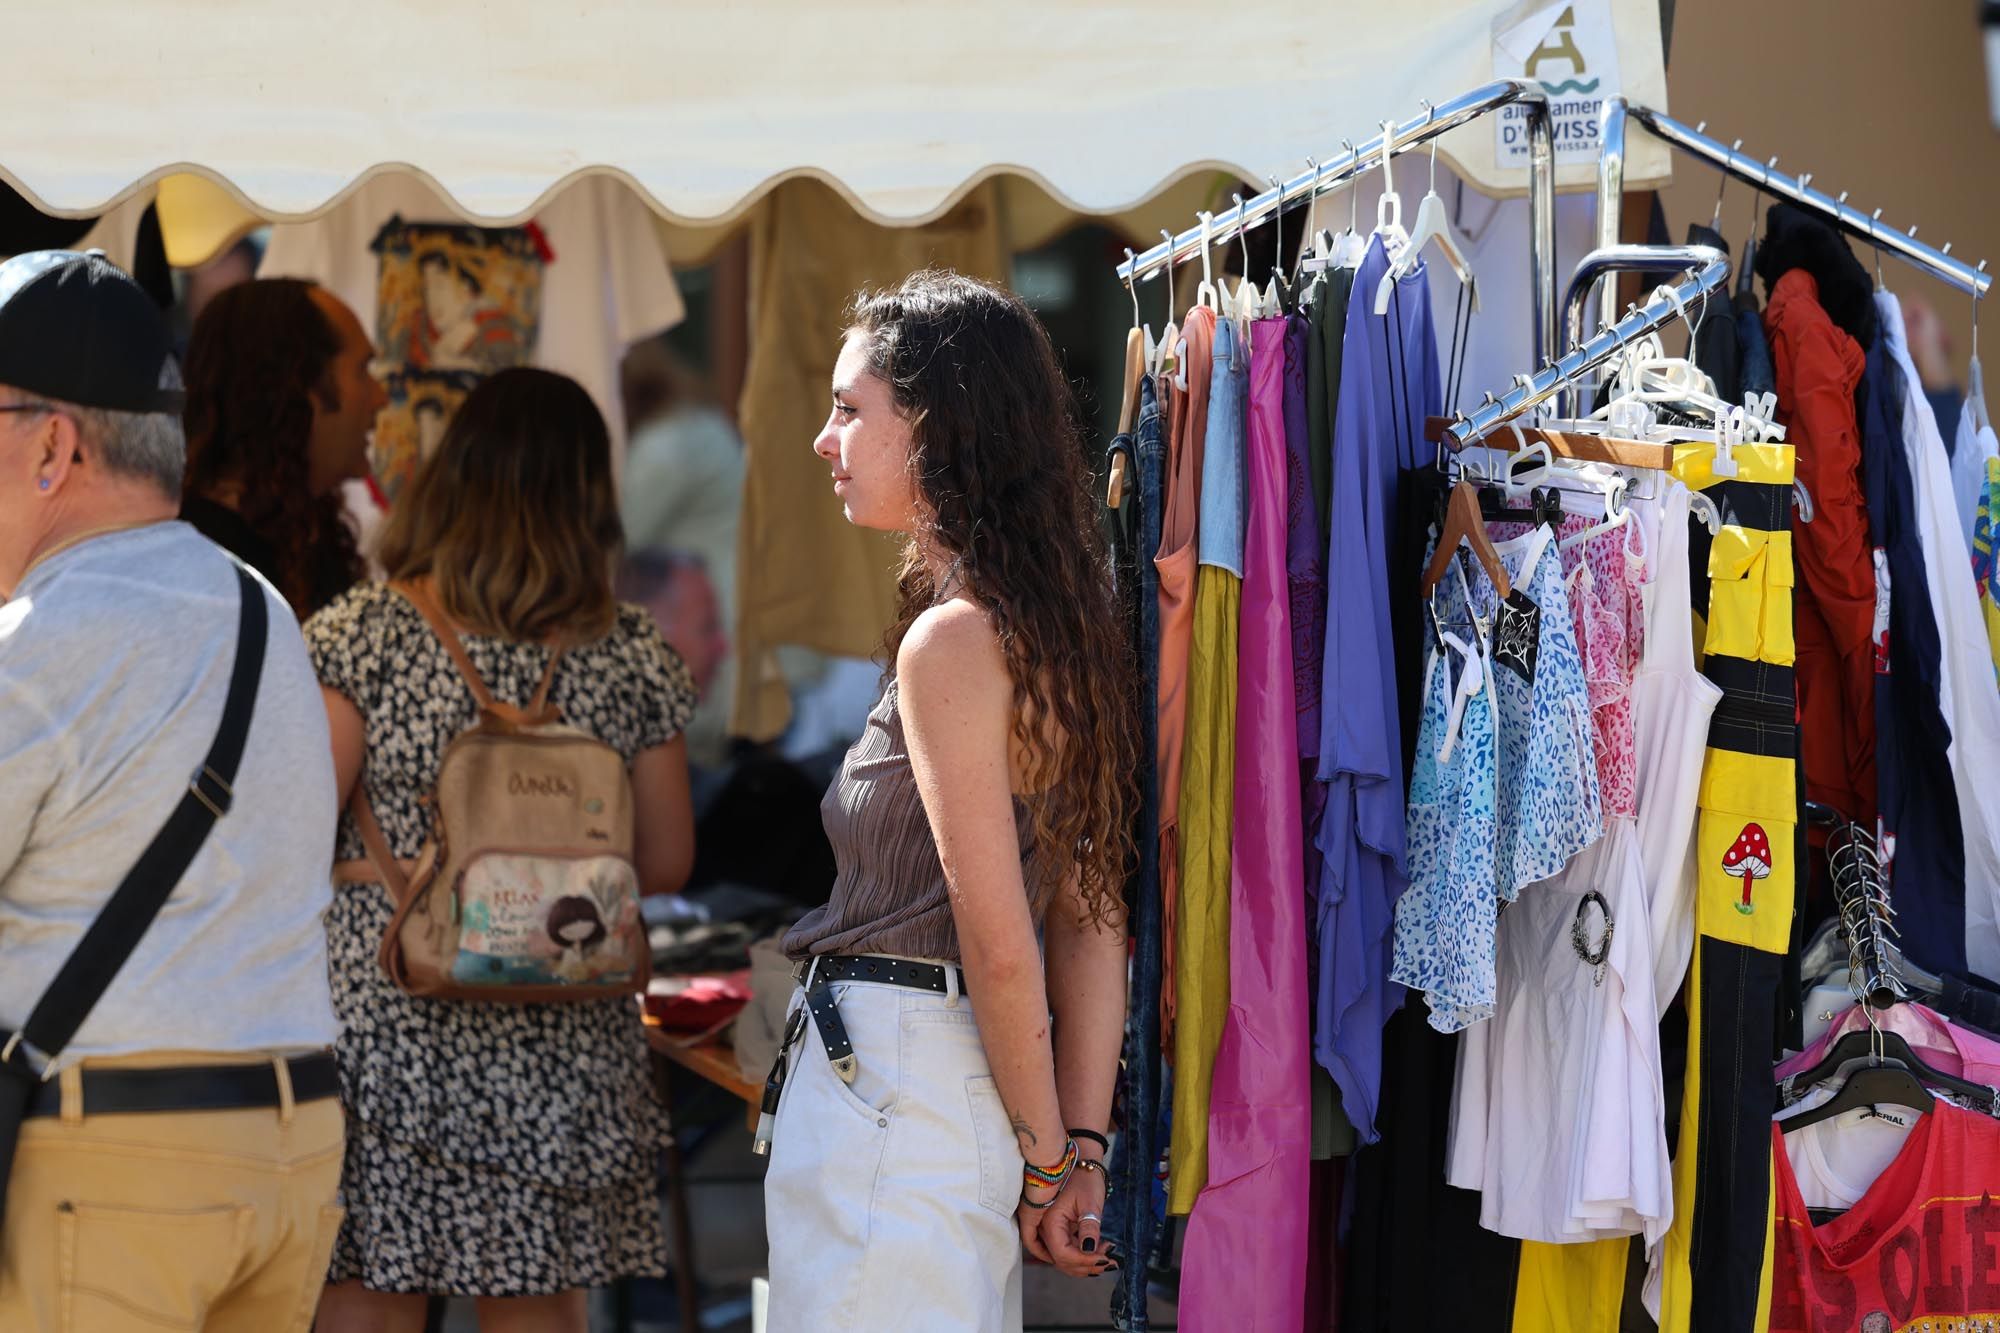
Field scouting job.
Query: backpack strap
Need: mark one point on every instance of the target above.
(393, 873)
(420, 594)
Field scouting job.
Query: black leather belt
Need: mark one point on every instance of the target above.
(192, 1088)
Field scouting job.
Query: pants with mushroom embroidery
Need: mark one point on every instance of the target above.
(1714, 1269)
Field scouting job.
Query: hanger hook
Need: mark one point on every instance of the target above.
(1169, 283)
(1430, 115)
(1312, 199)
(1278, 232)
(1132, 286)
(1875, 241)
(1242, 235)
(1975, 309)
(1207, 239)
(1353, 192)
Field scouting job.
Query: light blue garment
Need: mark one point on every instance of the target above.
(1549, 807)
(1447, 921)
(1219, 541)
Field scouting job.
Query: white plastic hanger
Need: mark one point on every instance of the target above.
(1433, 225)
(1206, 294)
(1616, 515)
(1389, 208)
(1248, 298)
(1273, 303)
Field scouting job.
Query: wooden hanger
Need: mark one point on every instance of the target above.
(1135, 368)
(1579, 445)
(1464, 522)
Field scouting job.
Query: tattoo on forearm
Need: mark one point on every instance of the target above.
(1021, 1130)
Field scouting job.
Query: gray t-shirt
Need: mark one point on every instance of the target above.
(115, 656)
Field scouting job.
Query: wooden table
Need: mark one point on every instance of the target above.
(712, 1058)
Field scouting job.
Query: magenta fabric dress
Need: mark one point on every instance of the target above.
(1244, 1267)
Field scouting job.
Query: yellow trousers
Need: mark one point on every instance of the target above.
(218, 1221)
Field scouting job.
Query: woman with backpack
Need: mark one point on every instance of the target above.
(500, 1151)
(929, 1116)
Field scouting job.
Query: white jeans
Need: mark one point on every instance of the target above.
(890, 1202)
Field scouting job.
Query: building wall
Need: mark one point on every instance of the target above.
(1887, 100)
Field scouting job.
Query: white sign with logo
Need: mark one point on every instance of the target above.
(1571, 50)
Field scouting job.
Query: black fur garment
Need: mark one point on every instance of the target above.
(1794, 238)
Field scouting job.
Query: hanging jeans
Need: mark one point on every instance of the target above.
(1716, 1262)
(1130, 1222)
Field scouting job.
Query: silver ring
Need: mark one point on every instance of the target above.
(1092, 1217)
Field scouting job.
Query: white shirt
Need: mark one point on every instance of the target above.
(603, 285)
(1671, 705)
(1559, 1112)
(115, 656)
(1967, 695)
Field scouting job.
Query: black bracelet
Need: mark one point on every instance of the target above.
(1027, 1202)
(1093, 1136)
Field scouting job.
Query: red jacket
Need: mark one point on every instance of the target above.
(1818, 367)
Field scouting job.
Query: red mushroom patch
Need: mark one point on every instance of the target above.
(1749, 860)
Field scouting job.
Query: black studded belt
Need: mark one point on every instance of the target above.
(819, 976)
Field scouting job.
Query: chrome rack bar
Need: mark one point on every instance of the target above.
(1761, 175)
(1530, 391)
(1609, 259)
(1327, 176)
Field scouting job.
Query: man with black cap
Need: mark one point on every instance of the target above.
(166, 830)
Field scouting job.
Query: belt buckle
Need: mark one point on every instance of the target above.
(40, 1063)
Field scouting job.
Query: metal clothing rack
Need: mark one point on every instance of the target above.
(1530, 391)
(1765, 177)
(1323, 177)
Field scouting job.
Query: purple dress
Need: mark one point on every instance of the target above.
(1388, 384)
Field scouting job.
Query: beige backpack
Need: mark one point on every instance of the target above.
(526, 890)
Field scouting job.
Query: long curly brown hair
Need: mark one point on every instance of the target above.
(258, 357)
(998, 459)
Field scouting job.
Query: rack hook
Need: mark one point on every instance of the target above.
(1132, 286)
(1169, 283)
(1874, 241)
(1721, 186)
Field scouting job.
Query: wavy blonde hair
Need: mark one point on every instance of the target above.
(514, 518)
(998, 458)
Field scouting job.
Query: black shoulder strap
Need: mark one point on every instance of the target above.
(125, 918)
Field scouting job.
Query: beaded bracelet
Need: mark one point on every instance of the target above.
(1057, 1176)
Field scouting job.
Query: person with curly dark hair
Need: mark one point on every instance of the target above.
(947, 1093)
(279, 408)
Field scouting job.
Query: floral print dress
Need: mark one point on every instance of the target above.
(492, 1149)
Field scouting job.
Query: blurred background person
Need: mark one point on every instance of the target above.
(280, 406)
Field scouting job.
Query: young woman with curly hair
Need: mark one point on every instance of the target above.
(948, 1090)
(279, 407)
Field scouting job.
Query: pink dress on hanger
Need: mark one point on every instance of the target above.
(1244, 1266)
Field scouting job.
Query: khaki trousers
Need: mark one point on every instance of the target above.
(219, 1221)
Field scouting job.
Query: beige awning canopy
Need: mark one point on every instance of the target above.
(267, 112)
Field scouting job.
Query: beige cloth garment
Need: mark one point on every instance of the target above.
(805, 576)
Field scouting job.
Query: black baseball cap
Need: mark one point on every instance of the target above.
(75, 327)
